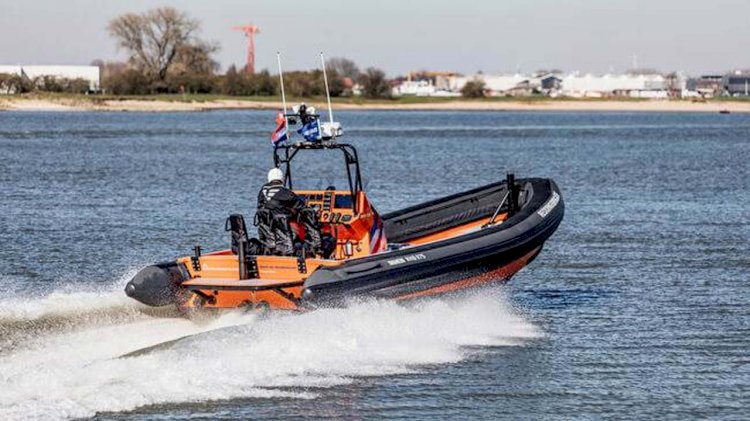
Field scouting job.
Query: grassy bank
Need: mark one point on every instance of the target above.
(207, 98)
(203, 102)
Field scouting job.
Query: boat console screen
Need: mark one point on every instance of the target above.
(343, 201)
(307, 198)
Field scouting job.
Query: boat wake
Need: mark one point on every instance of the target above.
(24, 319)
(60, 356)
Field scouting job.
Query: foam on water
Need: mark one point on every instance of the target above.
(24, 319)
(74, 372)
(67, 302)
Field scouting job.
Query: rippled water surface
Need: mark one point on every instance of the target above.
(638, 307)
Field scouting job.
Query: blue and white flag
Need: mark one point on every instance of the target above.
(310, 131)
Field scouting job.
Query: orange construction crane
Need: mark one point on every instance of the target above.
(250, 31)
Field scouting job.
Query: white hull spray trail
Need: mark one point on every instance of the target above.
(73, 371)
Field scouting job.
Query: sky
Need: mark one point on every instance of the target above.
(500, 36)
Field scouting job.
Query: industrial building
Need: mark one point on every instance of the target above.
(589, 85)
(495, 84)
(574, 85)
(706, 86)
(736, 84)
(87, 73)
(421, 88)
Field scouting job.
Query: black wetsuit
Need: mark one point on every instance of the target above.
(268, 191)
(277, 206)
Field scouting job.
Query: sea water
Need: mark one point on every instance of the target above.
(638, 307)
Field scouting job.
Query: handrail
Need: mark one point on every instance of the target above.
(510, 185)
(497, 211)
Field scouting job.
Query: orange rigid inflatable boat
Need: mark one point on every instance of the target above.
(483, 235)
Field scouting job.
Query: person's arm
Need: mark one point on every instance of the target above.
(287, 199)
(261, 199)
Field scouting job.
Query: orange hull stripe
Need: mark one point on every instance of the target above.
(503, 273)
(455, 231)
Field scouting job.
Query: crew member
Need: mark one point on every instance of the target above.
(304, 118)
(277, 206)
(274, 185)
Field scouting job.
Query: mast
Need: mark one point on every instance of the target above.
(328, 92)
(283, 96)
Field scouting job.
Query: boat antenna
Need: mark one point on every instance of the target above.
(283, 95)
(328, 93)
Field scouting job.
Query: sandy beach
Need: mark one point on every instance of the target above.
(158, 105)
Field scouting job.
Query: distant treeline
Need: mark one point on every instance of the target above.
(165, 55)
(17, 84)
(122, 79)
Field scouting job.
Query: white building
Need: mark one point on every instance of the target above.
(414, 87)
(496, 84)
(572, 85)
(589, 85)
(420, 88)
(10, 70)
(88, 73)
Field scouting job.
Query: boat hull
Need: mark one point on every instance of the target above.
(448, 245)
(492, 253)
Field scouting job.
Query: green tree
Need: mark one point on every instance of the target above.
(233, 83)
(78, 86)
(264, 84)
(304, 84)
(14, 84)
(374, 83)
(473, 89)
(128, 82)
(336, 85)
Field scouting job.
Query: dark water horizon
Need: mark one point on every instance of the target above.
(637, 308)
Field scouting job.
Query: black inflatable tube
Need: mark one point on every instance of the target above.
(415, 268)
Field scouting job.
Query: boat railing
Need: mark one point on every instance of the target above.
(509, 194)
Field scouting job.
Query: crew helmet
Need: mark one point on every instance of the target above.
(275, 174)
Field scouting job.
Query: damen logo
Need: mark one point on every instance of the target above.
(551, 203)
(405, 259)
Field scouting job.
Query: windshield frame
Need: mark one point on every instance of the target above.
(283, 156)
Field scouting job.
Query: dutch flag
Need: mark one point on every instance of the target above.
(378, 241)
(280, 134)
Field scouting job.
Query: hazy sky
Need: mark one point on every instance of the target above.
(399, 36)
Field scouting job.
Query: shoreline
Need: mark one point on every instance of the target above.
(165, 105)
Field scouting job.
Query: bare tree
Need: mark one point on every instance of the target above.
(155, 40)
(196, 58)
(343, 67)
